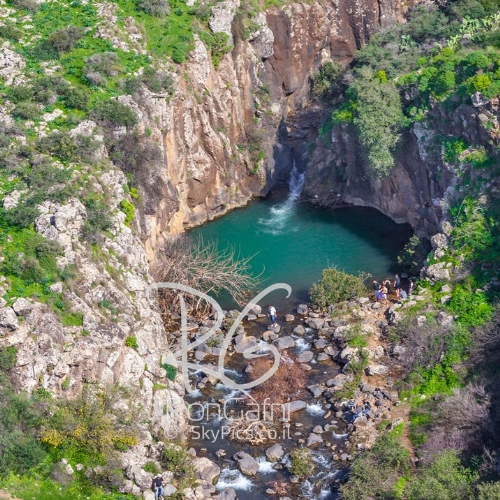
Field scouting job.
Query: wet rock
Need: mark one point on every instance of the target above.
(315, 390)
(251, 317)
(294, 406)
(246, 463)
(244, 342)
(313, 439)
(284, 343)
(330, 351)
(302, 309)
(315, 323)
(305, 357)
(305, 367)
(22, 306)
(289, 318)
(299, 330)
(255, 309)
(8, 319)
(275, 452)
(274, 328)
(322, 356)
(228, 494)
(267, 335)
(320, 344)
(206, 470)
(318, 429)
(376, 370)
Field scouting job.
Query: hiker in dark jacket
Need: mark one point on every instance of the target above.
(157, 486)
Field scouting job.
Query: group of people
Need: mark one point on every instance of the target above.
(382, 290)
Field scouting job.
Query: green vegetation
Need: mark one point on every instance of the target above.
(336, 286)
(301, 462)
(132, 342)
(171, 371)
(129, 210)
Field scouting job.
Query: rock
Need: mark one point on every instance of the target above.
(315, 323)
(445, 289)
(440, 241)
(251, 317)
(56, 287)
(305, 357)
(8, 319)
(363, 300)
(313, 439)
(255, 309)
(199, 355)
(376, 352)
(315, 390)
(360, 422)
(149, 495)
(289, 318)
(296, 406)
(284, 343)
(22, 306)
(444, 319)
(299, 330)
(367, 388)
(338, 381)
(376, 370)
(11, 200)
(438, 272)
(398, 351)
(376, 305)
(421, 320)
(267, 335)
(246, 463)
(302, 309)
(348, 353)
(318, 429)
(206, 470)
(322, 356)
(330, 351)
(446, 227)
(320, 344)
(244, 342)
(478, 100)
(227, 494)
(275, 452)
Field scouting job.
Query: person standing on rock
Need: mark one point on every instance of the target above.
(383, 294)
(157, 487)
(376, 289)
(387, 284)
(411, 287)
(397, 285)
(272, 314)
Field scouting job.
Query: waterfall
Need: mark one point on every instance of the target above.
(279, 215)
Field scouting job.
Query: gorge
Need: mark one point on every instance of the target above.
(124, 124)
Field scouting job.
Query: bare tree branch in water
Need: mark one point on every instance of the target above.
(205, 267)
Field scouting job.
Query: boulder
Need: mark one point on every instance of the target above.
(376, 370)
(315, 323)
(289, 318)
(440, 241)
(246, 463)
(320, 344)
(302, 309)
(22, 306)
(148, 495)
(438, 272)
(294, 406)
(206, 470)
(169, 490)
(251, 317)
(444, 319)
(227, 494)
(347, 354)
(275, 452)
(8, 319)
(313, 439)
(299, 330)
(284, 343)
(255, 309)
(305, 357)
(322, 356)
(316, 390)
(244, 342)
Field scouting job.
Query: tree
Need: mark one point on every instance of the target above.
(378, 118)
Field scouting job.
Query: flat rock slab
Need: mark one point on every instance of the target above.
(284, 343)
(305, 357)
(299, 330)
(275, 452)
(294, 406)
(322, 356)
(313, 439)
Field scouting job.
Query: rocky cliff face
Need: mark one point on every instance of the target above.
(254, 100)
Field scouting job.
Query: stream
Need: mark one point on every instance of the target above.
(291, 242)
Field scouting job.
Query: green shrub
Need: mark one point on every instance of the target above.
(376, 472)
(8, 358)
(100, 66)
(478, 83)
(98, 219)
(336, 286)
(65, 39)
(302, 463)
(488, 491)
(72, 319)
(115, 113)
(443, 479)
(26, 110)
(171, 370)
(354, 337)
(19, 93)
(76, 98)
(453, 148)
(157, 8)
(58, 144)
(219, 44)
(132, 342)
(10, 32)
(151, 467)
(472, 308)
(326, 82)
(129, 210)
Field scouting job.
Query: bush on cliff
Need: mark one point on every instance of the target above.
(336, 286)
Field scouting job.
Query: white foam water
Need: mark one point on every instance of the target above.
(279, 215)
(302, 344)
(265, 467)
(230, 478)
(315, 409)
